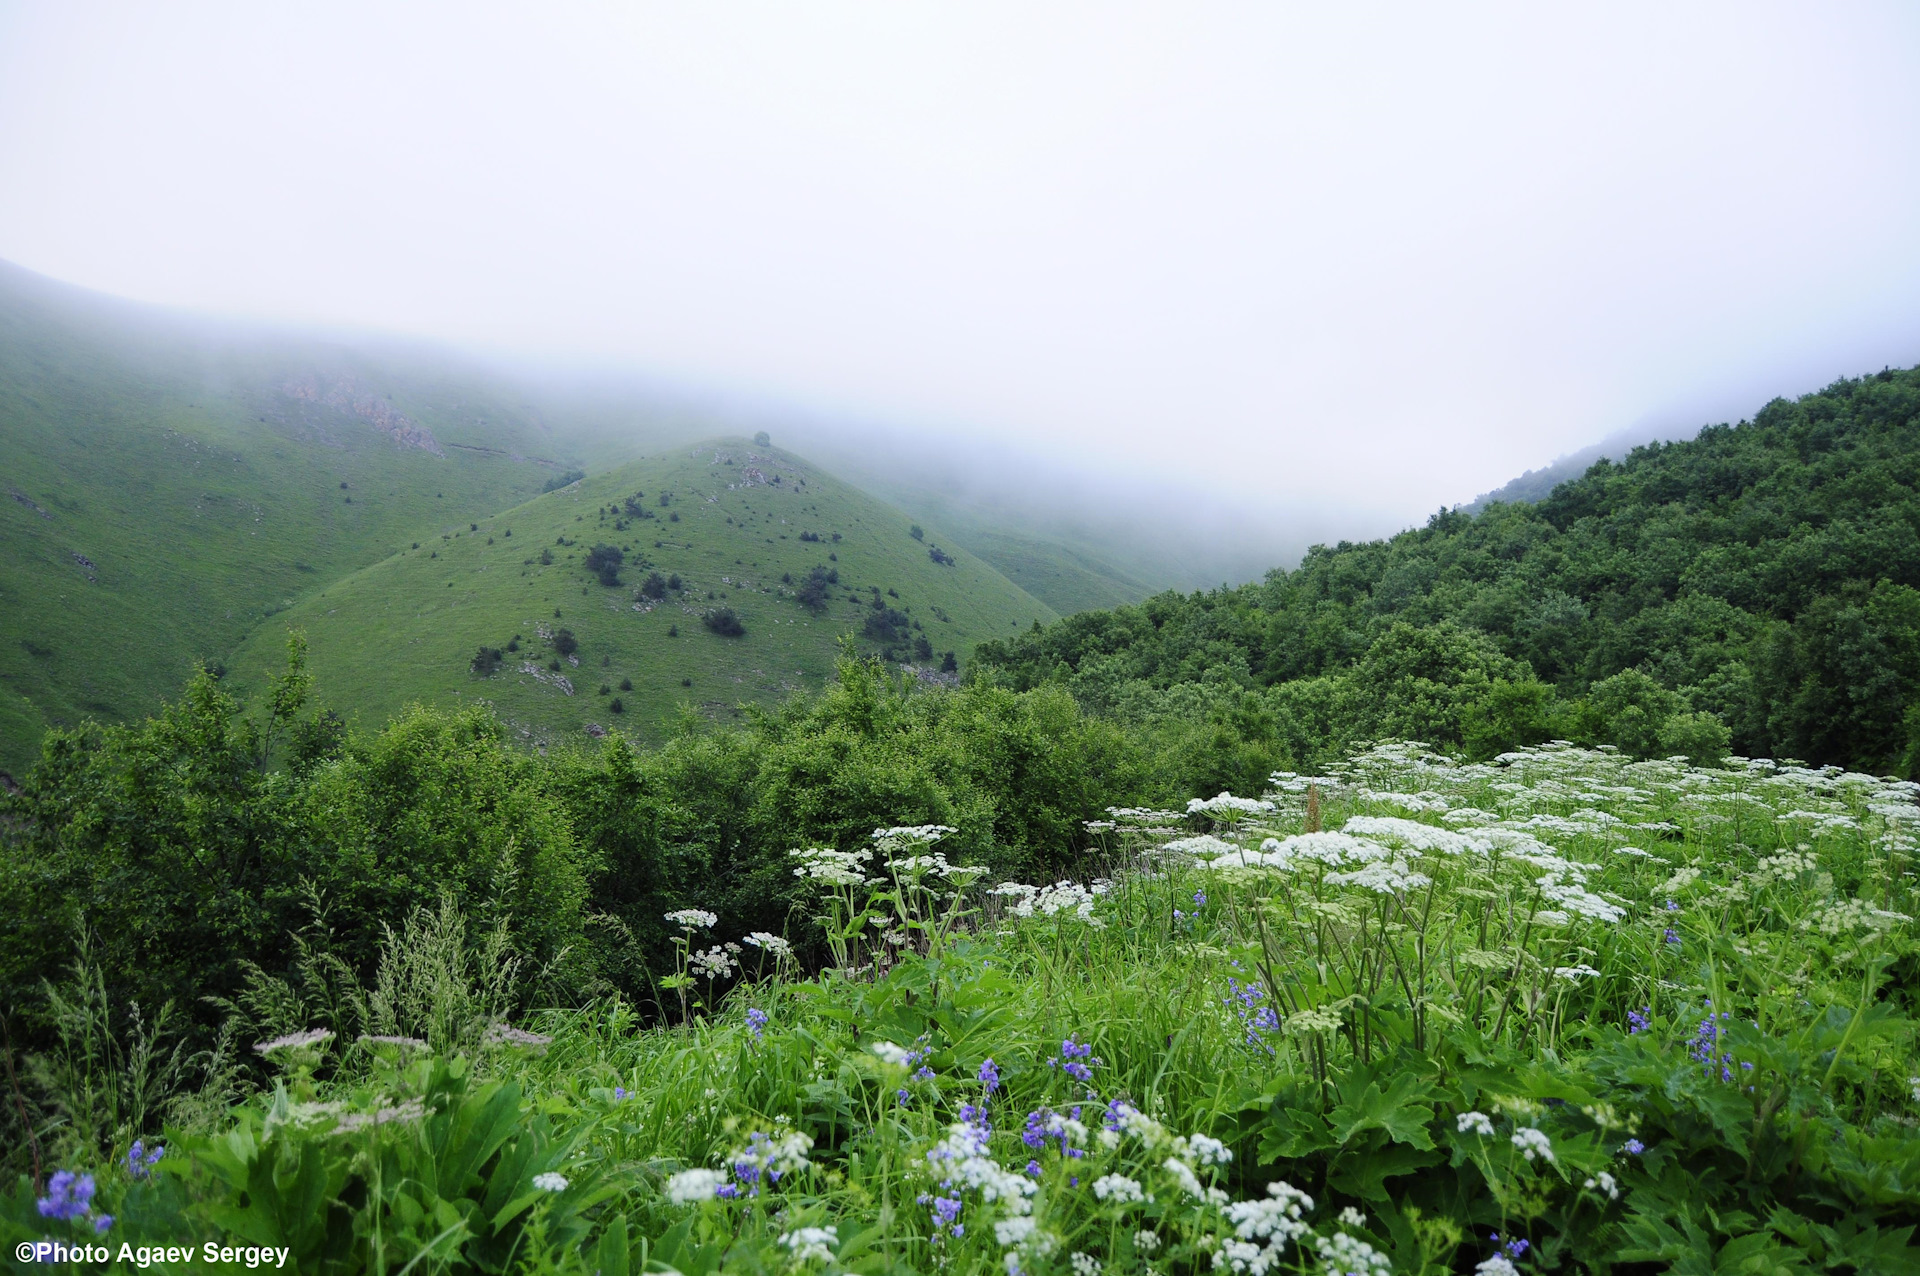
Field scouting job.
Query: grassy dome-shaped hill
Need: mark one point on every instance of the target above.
(711, 575)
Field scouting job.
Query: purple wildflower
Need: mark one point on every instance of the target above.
(141, 1159)
(1672, 936)
(1200, 898)
(1633, 1147)
(101, 1223)
(974, 1117)
(1071, 1053)
(990, 1075)
(904, 1099)
(1033, 1169)
(1639, 1020)
(756, 1022)
(69, 1196)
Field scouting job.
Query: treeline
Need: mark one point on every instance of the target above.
(1755, 589)
(211, 850)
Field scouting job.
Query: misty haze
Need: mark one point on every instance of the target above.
(1041, 640)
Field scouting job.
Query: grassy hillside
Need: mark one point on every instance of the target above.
(729, 532)
(169, 485)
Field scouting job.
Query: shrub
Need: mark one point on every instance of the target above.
(917, 532)
(654, 586)
(616, 706)
(724, 621)
(886, 626)
(940, 556)
(486, 661)
(564, 642)
(559, 481)
(626, 684)
(605, 562)
(812, 593)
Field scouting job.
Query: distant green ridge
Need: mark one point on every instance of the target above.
(170, 484)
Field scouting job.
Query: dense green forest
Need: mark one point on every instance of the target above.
(1752, 589)
(203, 851)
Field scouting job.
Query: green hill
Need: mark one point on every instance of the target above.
(1760, 582)
(726, 525)
(170, 484)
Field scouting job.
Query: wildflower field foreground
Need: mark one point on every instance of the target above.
(1561, 1012)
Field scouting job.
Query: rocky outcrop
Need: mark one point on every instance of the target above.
(346, 395)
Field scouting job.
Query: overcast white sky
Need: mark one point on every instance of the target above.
(1386, 255)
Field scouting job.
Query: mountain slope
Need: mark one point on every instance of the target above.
(408, 628)
(1766, 574)
(170, 483)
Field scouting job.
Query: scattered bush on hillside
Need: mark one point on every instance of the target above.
(605, 562)
(940, 556)
(626, 684)
(616, 706)
(922, 648)
(917, 532)
(673, 582)
(949, 662)
(564, 642)
(559, 481)
(654, 586)
(486, 661)
(813, 591)
(724, 621)
(886, 626)
(546, 558)
(763, 439)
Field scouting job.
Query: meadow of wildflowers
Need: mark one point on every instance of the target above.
(1558, 1012)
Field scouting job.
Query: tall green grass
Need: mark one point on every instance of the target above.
(1560, 1012)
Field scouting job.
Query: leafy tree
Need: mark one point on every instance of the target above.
(564, 642)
